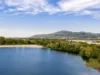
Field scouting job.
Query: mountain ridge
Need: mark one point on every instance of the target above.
(64, 34)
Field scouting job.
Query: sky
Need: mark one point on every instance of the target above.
(23, 18)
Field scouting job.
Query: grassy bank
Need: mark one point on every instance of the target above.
(93, 63)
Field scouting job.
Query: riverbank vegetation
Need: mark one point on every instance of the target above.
(89, 52)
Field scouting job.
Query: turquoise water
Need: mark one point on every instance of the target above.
(37, 61)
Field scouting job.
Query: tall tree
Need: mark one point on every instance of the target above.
(2, 40)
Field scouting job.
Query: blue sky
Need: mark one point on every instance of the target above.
(22, 18)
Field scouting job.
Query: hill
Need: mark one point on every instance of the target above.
(68, 34)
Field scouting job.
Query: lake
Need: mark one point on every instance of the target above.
(38, 61)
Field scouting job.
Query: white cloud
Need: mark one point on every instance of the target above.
(95, 14)
(1, 6)
(77, 5)
(86, 7)
(65, 6)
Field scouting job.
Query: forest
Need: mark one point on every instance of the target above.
(89, 52)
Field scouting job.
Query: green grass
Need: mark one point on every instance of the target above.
(94, 63)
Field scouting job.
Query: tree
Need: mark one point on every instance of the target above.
(88, 51)
(82, 51)
(99, 58)
(2, 40)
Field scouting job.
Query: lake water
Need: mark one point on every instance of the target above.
(37, 61)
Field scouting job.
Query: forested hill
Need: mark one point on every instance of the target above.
(68, 34)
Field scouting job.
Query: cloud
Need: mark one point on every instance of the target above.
(86, 7)
(1, 6)
(31, 6)
(95, 14)
(78, 5)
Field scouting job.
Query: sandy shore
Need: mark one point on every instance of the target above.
(32, 46)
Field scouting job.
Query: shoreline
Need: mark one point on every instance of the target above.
(10, 46)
